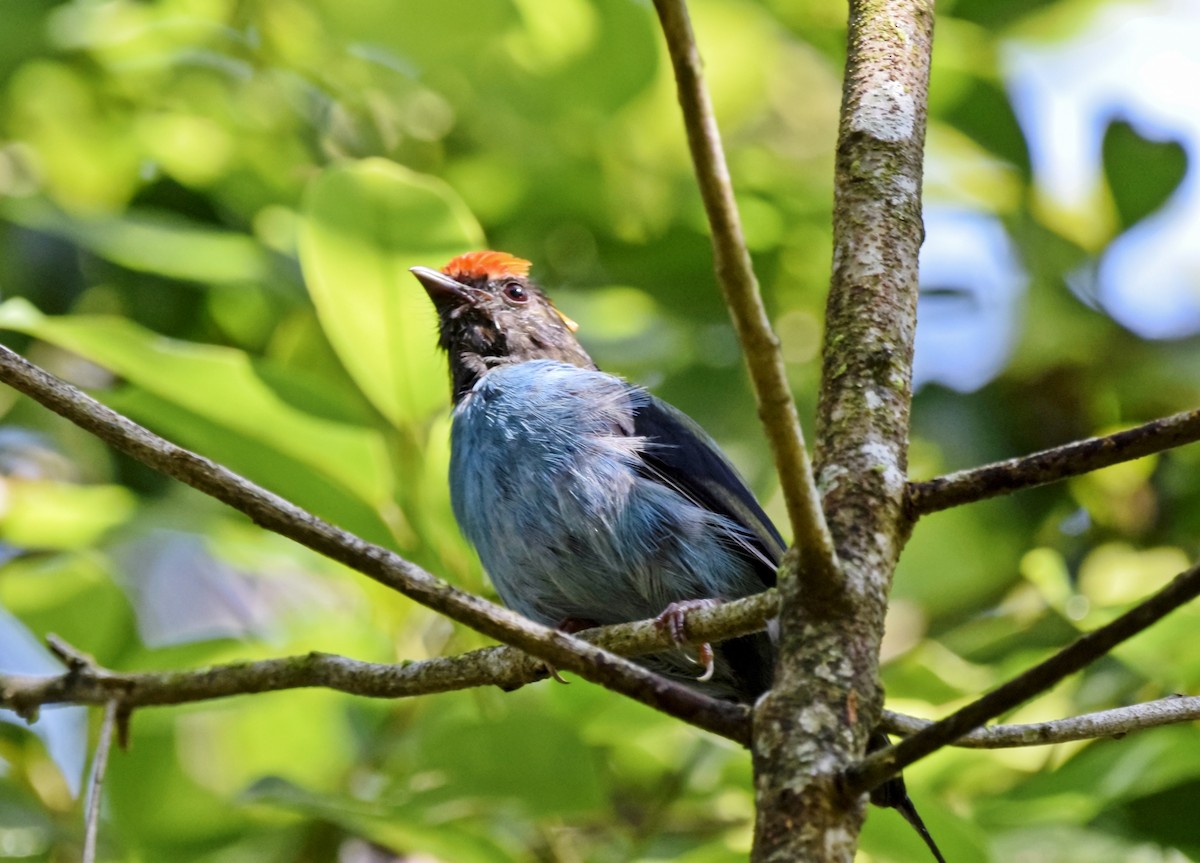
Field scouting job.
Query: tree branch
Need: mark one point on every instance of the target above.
(506, 667)
(877, 767)
(1116, 722)
(735, 274)
(276, 514)
(1052, 465)
(826, 699)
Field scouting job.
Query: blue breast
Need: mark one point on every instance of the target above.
(548, 483)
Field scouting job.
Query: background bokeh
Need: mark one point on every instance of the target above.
(206, 212)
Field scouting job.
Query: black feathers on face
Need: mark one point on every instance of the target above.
(487, 319)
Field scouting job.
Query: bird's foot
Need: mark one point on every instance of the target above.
(673, 621)
(570, 625)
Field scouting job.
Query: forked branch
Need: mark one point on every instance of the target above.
(877, 767)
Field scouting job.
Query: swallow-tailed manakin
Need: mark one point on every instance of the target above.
(590, 501)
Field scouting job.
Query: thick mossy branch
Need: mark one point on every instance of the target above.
(818, 718)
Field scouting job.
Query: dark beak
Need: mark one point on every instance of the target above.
(446, 293)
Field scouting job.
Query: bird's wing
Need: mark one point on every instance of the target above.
(682, 454)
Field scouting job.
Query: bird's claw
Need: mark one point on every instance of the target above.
(570, 625)
(673, 621)
(706, 657)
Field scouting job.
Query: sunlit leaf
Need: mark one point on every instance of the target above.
(228, 749)
(230, 411)
(37, 514)
(74, 595)
(364, 224)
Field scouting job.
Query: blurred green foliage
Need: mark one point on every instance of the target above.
(207, 209)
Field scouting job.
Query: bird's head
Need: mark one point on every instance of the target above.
(490, 314)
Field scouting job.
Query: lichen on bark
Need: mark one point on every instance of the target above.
(826, 700)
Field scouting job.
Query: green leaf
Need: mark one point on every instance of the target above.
(153, 242)
(159, 768)
(1164, 817)
(72, 595)
(983, 112)
(257, 460)
(465, 751)
(47, 514)
(1141, 173)
(401, 828)
(212, 399)
(245, 743)
(979, 579)
(1109, 771)
(364, 224)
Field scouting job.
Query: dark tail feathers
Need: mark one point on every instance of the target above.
(894, 795)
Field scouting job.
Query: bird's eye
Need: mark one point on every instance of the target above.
(515, 292)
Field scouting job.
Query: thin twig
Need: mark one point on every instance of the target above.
(877, 767)
(505, 667)
(70, 655)
(1116, 722)
(96, 782)
(276, 514)
(1052, 465)
(735, 274)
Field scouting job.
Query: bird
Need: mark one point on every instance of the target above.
(590, 501)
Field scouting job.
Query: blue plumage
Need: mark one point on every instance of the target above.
(574, 516)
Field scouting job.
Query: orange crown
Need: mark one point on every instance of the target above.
(488, 265)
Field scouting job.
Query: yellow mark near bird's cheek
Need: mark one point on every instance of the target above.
(567, 322)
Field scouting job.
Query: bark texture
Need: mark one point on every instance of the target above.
(816, 721)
